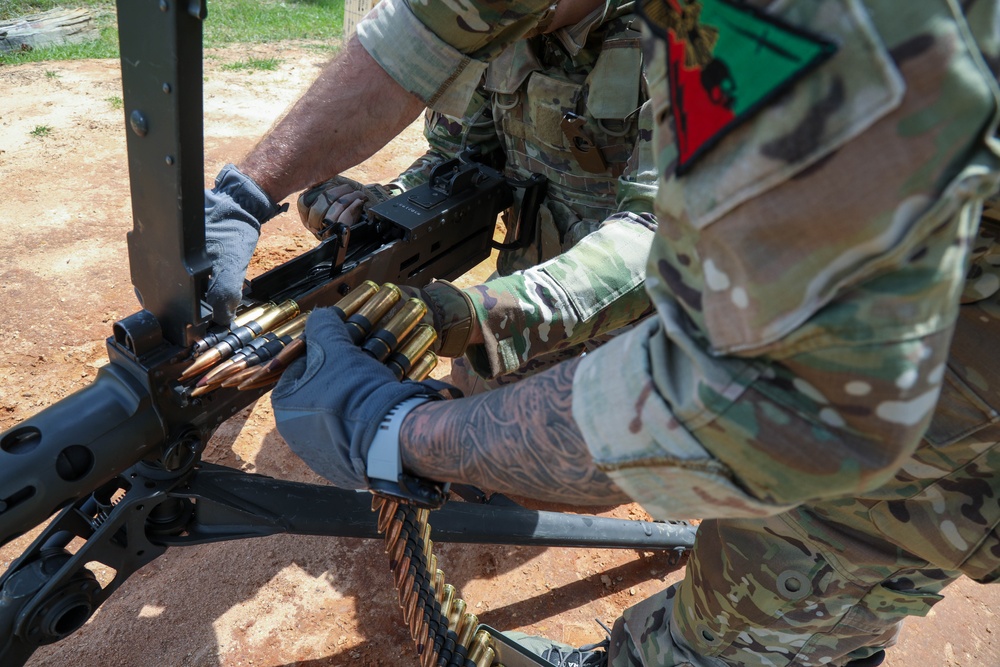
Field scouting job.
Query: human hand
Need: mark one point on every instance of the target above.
(338, 200)
(234, 211)
(451, 312)
(329, 405)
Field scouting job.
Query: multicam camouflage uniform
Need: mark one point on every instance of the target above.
(555, 304)
(807, 274)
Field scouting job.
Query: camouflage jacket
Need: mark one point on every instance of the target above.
(807, 273)
(582, 274)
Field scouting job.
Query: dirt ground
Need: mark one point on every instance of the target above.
(283, 600)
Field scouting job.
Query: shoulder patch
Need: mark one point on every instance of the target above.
(726, 60)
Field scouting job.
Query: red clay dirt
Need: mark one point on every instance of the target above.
(282, 600)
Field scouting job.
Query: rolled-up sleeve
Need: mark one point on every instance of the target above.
(439, 53)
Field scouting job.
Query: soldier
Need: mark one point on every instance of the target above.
(568, 104)
(543, 96)
(814, 226)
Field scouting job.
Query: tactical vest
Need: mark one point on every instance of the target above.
(573, 117)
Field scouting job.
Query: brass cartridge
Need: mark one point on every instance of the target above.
(294, 326)
(272, 370)
(432, 562)
(240, 336)
(448, 599)
(480, 643)
(374, 309)
(439, 585)
(466, 629)
(427, 362)
(386, 514)
(354, 299)
(248, 315)
(455, 614)
(486, 659)
(418, 342)
(384, 340)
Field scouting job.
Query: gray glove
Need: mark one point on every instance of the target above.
(329, 406)
(234, 211)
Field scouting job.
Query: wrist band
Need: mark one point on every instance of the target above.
(384, 461)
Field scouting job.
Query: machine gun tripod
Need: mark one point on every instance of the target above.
(121, 460)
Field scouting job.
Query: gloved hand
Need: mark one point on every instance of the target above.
(451, 313)
(329, 405)
(338, 200)
(234, 211)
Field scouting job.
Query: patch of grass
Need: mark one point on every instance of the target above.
(105, 46)
(115, 101)
(228, 22)
(41, 131)
(267, 64)
(50, 74)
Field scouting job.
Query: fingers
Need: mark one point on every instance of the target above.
(319, 206)
(353, 212)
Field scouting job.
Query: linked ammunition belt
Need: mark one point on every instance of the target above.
(445, 633)
(263, 341)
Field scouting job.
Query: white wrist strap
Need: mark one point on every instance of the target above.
(384, 460)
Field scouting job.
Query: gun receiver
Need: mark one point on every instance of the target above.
(119, 462)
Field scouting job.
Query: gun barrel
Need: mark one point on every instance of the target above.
(72, 447)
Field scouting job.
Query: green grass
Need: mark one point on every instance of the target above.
(228, 22)
(115, 101)
(267, 64)
(41, 131)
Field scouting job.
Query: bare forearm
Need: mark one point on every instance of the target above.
(351, 111)
(520, 440)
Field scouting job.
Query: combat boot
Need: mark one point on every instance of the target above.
(564, 655)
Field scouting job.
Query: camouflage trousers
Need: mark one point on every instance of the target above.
(832, 582)
(785, 600)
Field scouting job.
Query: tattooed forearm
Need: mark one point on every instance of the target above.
(520, 440)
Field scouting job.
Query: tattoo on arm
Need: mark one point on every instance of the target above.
(521, 439)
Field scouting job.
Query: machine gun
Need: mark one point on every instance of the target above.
(119, 463)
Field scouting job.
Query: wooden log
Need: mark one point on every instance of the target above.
(58, 26)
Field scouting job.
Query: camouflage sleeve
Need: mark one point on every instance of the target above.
(806, 290)
(592, 289)
(447, 137)
(438, 51)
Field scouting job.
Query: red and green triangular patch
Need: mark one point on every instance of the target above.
(725, 60)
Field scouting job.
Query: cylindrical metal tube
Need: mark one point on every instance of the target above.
(456, 613)
(374, 309)
(213, 337)
(355, 299)
(418, 342)
(423, 366)
(439, 585)
(448, 599)
(480, 643)
(486, 659)
(384, 340)
(272, 318)
(467, 627)
(292, 327)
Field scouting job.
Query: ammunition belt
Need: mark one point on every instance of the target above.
(446, 635)
(444, 632)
